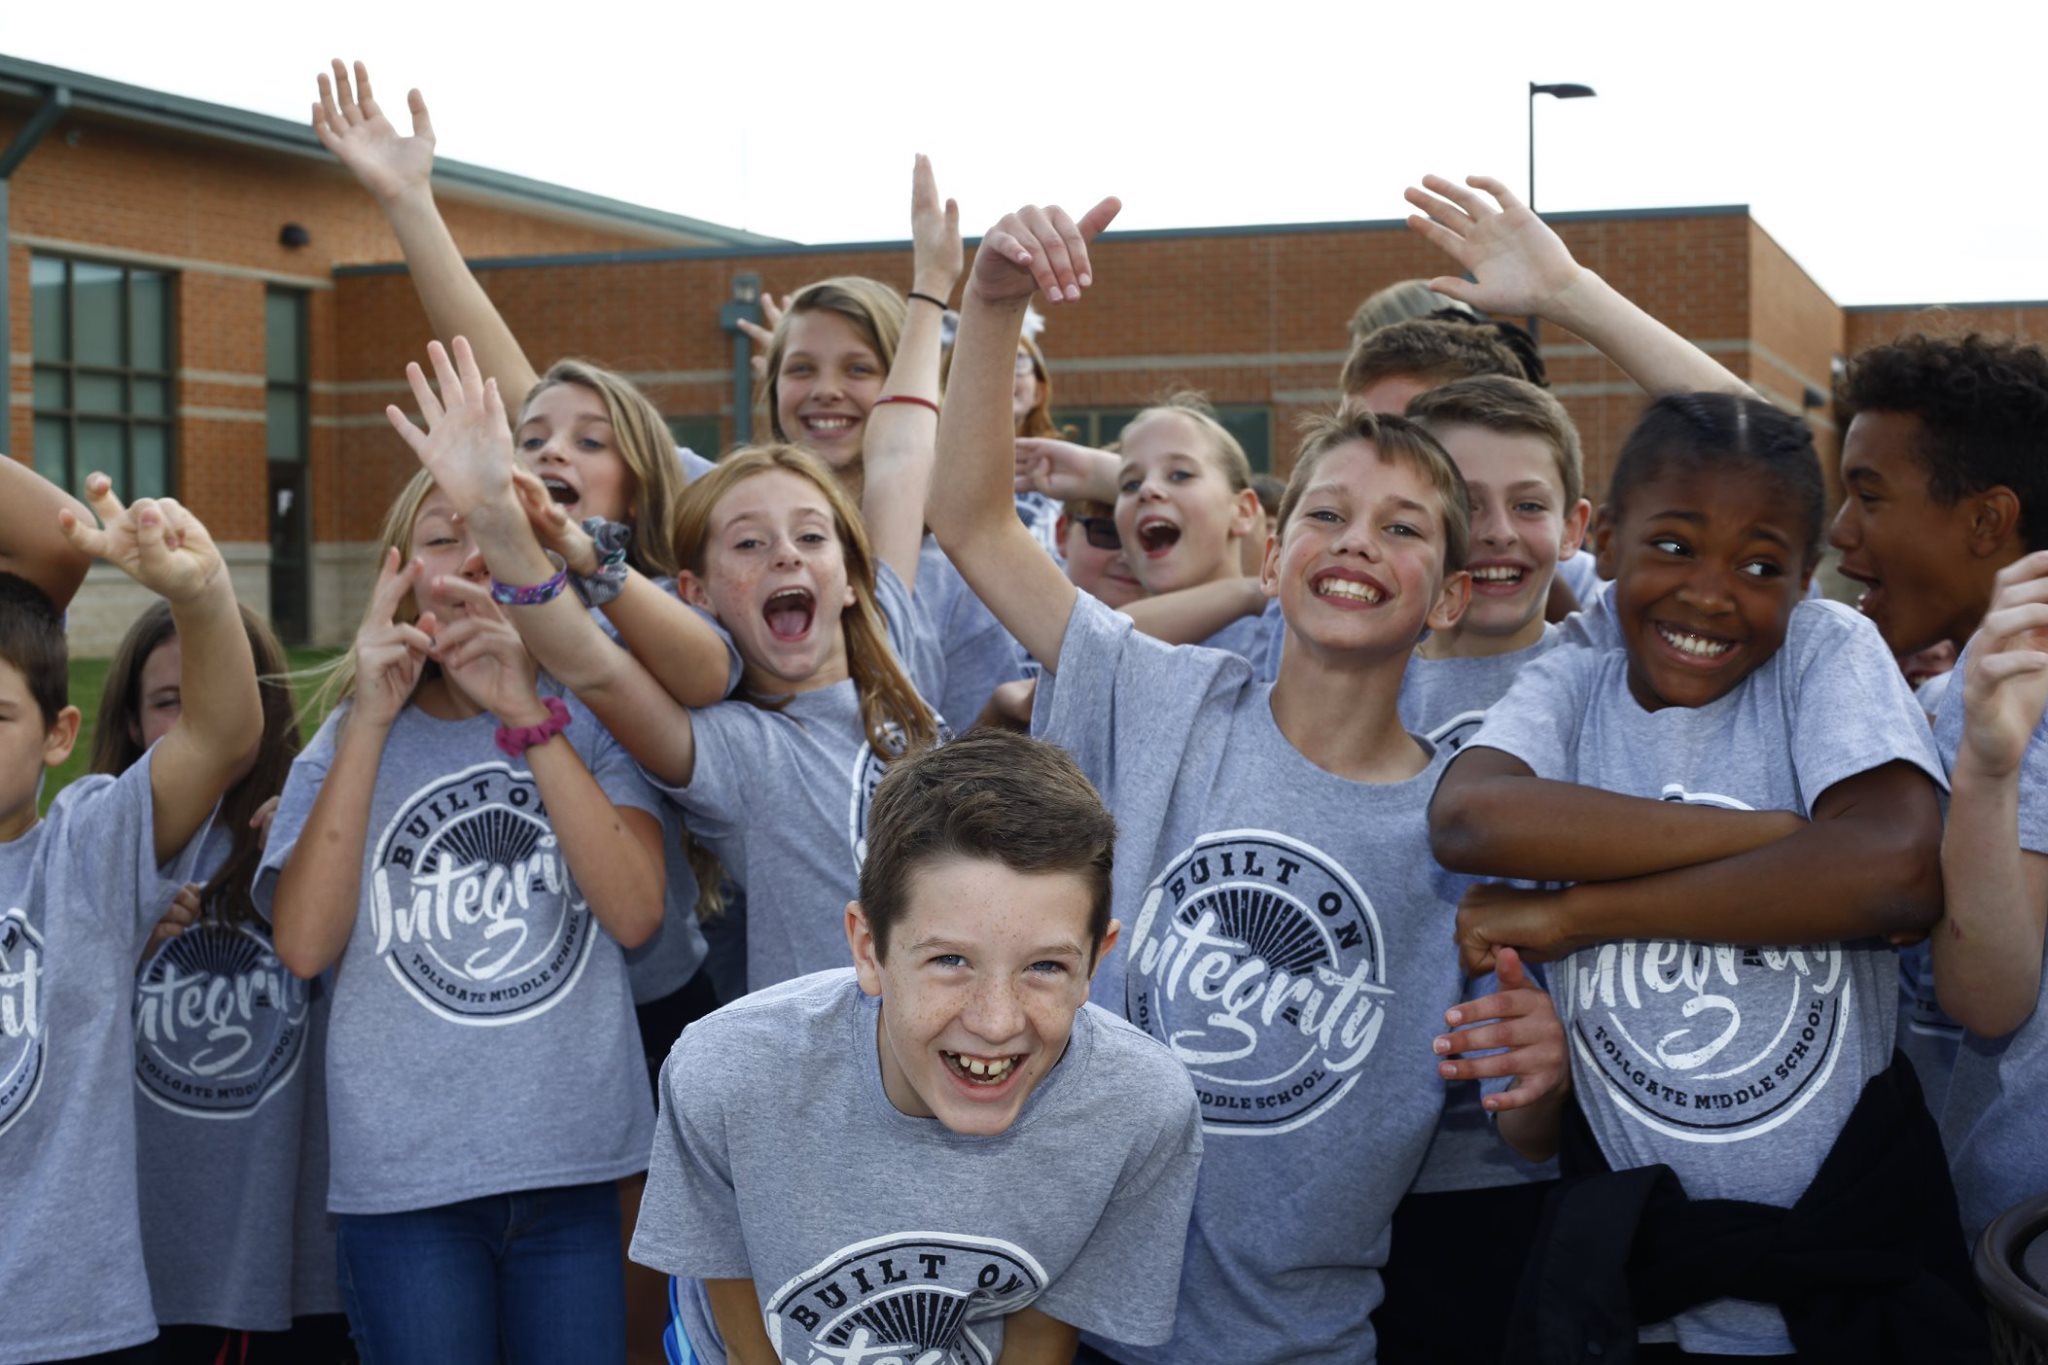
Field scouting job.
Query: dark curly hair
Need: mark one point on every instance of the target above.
(1693, 431)
(1983, 407)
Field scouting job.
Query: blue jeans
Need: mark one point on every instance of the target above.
(533, 1276)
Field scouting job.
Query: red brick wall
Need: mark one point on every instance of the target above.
(1873, 326)
(213, 210)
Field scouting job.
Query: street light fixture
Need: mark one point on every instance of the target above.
(1562, 92)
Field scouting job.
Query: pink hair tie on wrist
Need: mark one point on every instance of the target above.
(906, 398)
(515, 740)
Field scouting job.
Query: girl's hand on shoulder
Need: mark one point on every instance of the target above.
(389, 653)
(1519, 1027)
(554, 528)
(935, 254)
(155, 541)
(348, 123)
(1493, 916)
(1038, 250)
(485, 657)
(467, 445)
(2005, 681)
(1517, 263)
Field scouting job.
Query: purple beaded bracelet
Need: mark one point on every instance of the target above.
(547, 590)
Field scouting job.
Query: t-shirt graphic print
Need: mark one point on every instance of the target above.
(220, 1024)
(914, 1296)
(471, 902)
(1259, 962)
(21, 1015)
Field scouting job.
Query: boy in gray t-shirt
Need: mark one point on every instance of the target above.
(81, 885)
(957, 1065)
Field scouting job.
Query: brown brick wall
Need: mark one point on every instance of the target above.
(1873, 326)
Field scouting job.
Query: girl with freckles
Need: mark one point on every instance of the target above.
(473, 855)
(1286, 929)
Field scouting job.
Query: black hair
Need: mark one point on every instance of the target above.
(32, 640)
(1694, 431)
(1983, 408)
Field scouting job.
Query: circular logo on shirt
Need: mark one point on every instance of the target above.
(471, 902)
(869, 768)
(21, 1015)
(1707, 1042)
(920, 1298)
(1453, 733)
(219, 1023)
(1260, 962)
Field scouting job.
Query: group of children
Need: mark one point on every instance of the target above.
(1394, 940)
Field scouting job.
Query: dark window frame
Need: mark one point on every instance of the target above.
(128, 373)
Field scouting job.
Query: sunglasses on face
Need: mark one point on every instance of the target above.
(1100, 532)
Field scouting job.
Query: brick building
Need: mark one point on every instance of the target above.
(275, 362)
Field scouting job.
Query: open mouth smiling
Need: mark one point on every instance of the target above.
(789, 613)
(1694, 646)
(1347, 591)
(988, 1072)
(1156, 535)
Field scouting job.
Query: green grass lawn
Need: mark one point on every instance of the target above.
(89, 678)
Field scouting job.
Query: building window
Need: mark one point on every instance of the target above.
(1251, 424)
(284, 376)
(103, 373)
(699, 435)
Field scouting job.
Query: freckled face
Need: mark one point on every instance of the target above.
(984, 972)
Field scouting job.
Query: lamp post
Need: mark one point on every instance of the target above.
(1565, 91)
(1561, 92)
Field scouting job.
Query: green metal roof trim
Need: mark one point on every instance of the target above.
(32, 81)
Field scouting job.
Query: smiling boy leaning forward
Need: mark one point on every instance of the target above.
(944, 1153)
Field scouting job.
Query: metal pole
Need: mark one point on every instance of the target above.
(1535, 334)
(39, 123)
(745, 304)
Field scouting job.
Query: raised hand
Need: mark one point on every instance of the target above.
(182, 914)
(348, 123)
(389, 653)
(1517, 263)
(2005, 677)
(467, 445)
(935, 251)
(762, 333)
(484, 656)
(155, 541)
(1062, 470)
(1493, 916)
(1039, 250)
(1519, 1029)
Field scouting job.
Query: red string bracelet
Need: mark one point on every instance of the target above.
(906, 398)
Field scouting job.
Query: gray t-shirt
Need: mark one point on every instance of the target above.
(1580, 573)
(1735, 1065)
(980, 655)
(225, 1038)
(80, 884)
(781, 796)
(1288, 933)
(1992, 1121)
(872, 1235)
(482, 1037)
(1257, 639)
(1444, 701)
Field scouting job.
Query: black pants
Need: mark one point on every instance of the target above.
(1443, 1245)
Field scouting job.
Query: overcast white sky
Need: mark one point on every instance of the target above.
(1894, 151)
